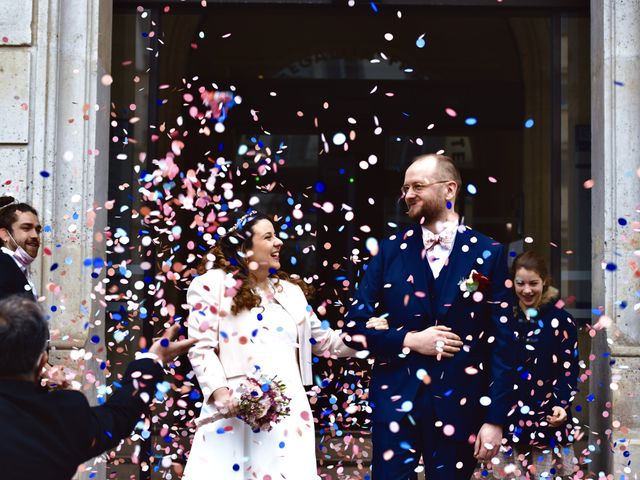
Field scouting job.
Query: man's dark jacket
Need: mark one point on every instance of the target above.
(12, 280)
(46, 435)
(475, 385)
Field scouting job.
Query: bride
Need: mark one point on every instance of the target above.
(248, 318)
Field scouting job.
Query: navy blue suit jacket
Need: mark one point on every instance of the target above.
(473, 387)
(547, 374)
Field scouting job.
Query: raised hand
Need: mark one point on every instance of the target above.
(54, 378)
(166, 349)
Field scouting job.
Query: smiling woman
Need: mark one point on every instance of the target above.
(543, 429)
(250, 250)
(253, 322)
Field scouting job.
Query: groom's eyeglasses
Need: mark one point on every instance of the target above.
(419, 187)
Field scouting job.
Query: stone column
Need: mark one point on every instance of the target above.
(54, 140)
(615, 68)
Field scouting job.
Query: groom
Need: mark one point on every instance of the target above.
(441, 384)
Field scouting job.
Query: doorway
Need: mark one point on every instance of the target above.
(335, 102)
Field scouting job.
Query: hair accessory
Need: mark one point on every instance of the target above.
(241, 222)
(12, 202)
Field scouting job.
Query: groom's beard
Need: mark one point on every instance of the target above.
(432, 211)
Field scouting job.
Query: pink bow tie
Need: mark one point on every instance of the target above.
(444, 238)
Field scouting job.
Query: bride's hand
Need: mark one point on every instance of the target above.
(226, 404)
(378, 323)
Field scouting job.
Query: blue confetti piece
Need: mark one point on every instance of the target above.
(611, 267)
(164, 342)
(529, 123)
(472, 189)
(44, 174)
(95, 339)
(471, 121)
(622, 221)
(421, 42)
(163, 387)
(374, 7)
(618, 83)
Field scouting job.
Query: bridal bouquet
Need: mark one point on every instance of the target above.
(262, 402)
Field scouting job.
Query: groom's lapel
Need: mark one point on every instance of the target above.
(415, 265)
(458, 268)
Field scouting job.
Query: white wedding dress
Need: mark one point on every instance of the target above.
(229, 449)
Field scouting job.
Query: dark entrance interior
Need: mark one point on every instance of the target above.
(336, 101)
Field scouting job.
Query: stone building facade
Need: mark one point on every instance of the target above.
(55, 60)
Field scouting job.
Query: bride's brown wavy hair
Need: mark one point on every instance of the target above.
(229, 255)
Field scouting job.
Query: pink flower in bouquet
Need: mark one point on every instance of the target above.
(262, 402)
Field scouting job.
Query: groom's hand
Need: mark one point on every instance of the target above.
(438, 341)
(487, 442)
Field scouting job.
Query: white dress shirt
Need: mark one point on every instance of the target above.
(438, 255)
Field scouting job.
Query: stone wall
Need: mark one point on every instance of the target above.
(54, 139)
(615, 68)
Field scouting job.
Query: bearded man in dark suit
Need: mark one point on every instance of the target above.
(440, 387)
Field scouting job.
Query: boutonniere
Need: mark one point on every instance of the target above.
(475, 282)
